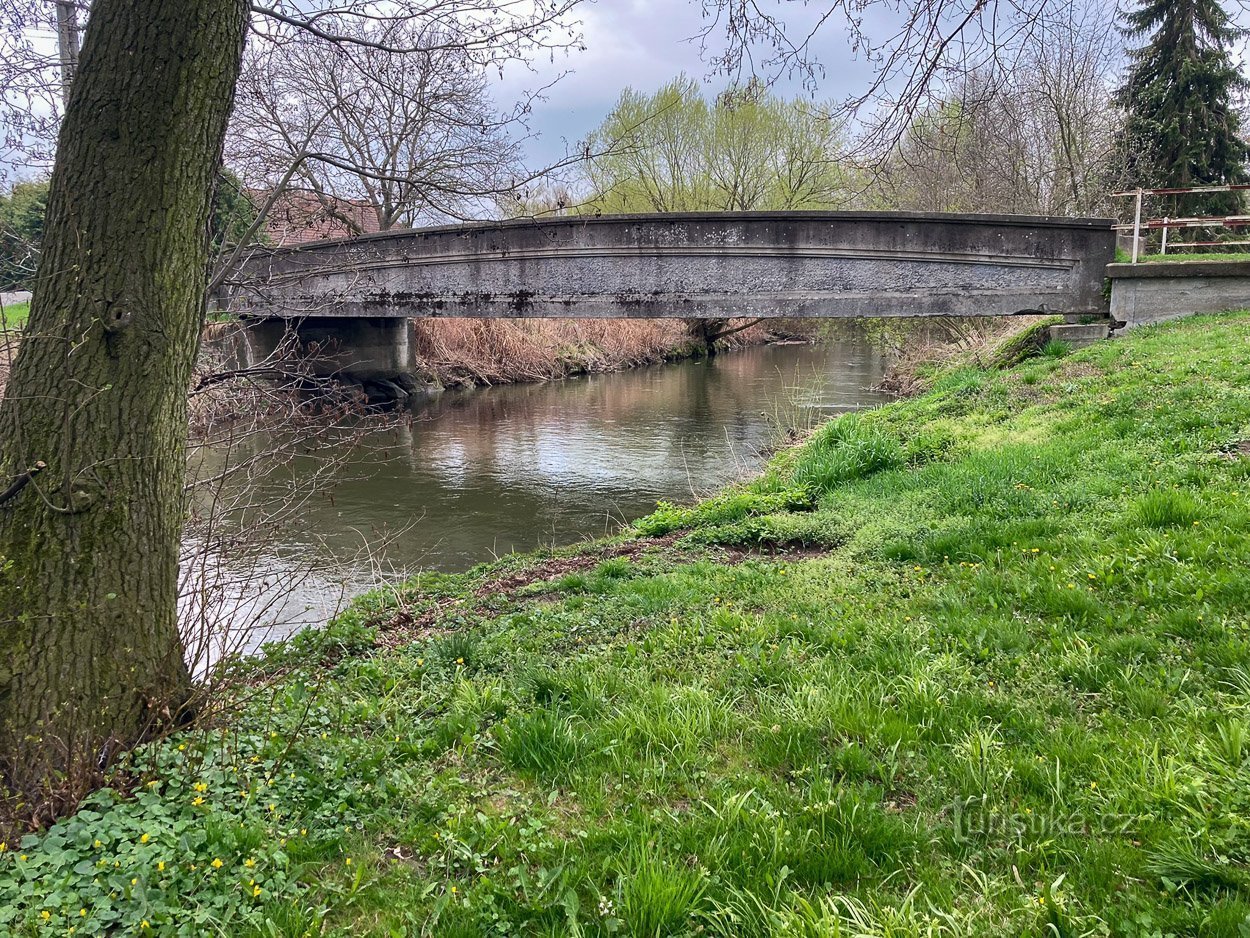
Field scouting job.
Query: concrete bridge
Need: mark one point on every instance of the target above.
(361, 292)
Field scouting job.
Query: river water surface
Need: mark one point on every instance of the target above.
(481, 473)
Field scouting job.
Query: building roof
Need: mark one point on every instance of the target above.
(301, 216)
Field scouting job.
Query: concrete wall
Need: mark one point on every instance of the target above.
(789, 264)
(363, 348)
(1154, 292)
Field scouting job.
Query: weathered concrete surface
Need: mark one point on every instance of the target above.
(365, 348)
(1158, 291)
(1080, 335)
(790, 264)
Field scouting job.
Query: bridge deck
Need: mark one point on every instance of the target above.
(694, 265)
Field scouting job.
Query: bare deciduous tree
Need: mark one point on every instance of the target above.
(1037, 139)
(919, 52)
(413, 136)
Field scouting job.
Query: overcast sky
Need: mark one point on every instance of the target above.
(642, 44)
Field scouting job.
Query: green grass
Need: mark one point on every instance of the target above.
(976, 663)
(14, 316)
(1203, 256)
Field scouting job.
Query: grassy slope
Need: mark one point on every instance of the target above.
(1012, 692)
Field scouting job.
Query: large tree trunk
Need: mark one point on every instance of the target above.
(90, 656)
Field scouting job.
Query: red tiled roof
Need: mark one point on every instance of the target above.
(300, 216)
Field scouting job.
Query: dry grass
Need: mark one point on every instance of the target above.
(502, 351)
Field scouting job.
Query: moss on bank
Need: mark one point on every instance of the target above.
(976, 663)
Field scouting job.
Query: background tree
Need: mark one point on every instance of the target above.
(925, 51)
(22, 218)
(1179, 94)
(673, 151)
(233, 214)
(413, 135)
(1038, 139)
(21, 232)
(747, 150)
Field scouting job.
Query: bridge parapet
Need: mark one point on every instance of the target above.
(692, 265)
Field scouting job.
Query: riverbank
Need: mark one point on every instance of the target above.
(477, 352)
(976, 663)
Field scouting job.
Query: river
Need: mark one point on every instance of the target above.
(476, 474)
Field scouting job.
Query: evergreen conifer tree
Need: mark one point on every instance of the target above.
(1182, 129)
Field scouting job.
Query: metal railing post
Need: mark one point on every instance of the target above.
(1137, 225)
(1165, 236)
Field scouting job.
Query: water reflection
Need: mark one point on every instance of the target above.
(481, 473)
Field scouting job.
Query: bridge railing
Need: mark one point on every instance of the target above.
(1166, 224)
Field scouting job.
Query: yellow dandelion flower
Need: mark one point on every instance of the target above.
(145, 838)
(160, 866)
(255, 891)
(349, 861)
(197, 800)
(216, 864)
(201, 787)
(82, 913)
(45, 915)
(249, 863)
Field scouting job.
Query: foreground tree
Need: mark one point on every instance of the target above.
(93, 427)
(1183, 129)
(93, 422)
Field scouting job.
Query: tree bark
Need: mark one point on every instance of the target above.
(90, 656)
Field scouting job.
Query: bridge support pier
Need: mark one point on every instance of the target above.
(374, 352)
